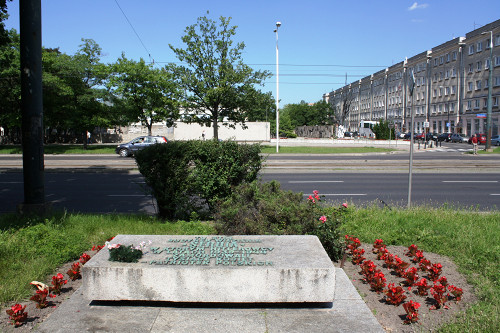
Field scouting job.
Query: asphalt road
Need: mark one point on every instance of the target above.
(108, 183)
(124, 192)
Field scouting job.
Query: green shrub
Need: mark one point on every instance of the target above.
(221, 165)
(263, 208)
(186, 177)
(165, 168)
(382, 130)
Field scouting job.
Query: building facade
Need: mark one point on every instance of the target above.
(450, 94)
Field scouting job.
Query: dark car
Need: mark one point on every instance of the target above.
(481, 139)
(444, 137)
(459, 137)
(139, 143)
(431, 137)
(407, 136)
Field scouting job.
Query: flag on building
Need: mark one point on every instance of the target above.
(411, 84)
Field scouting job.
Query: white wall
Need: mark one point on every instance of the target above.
(256, 131)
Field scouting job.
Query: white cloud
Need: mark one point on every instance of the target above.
(417, 6)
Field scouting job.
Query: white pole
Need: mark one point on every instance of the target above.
(278, 24)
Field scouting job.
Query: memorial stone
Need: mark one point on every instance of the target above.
(214, 269)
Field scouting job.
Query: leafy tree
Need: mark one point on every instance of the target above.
(261, 106)
(303, 114)
(74, 95)
(149, 94)
(218, 85)
(382, 130)
(10, 83)
(4, 34)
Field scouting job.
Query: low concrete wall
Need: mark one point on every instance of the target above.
(256, 132)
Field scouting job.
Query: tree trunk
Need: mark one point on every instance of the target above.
(84, 134)
(216, 128)
(150, 128)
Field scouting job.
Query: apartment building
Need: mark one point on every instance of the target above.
(451, 86)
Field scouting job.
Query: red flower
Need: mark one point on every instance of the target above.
(84, 258)
(422, 287)
(457, 292)
(412, 249)
(57, 283)
(344, 205)
(17, 315)
(74, 272)
(322, 219)
(395, 295)
(411, 309)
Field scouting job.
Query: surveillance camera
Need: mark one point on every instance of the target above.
(278, 24)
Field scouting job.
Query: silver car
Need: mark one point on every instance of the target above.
(130, 148)
(457, 137)
(495, 140)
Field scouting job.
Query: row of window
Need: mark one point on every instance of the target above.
(476, 103)
(478, 47)
(477, 85)
(439, 61)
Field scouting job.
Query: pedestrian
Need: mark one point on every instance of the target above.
(88, 137)
(203, 135)
(474, 144)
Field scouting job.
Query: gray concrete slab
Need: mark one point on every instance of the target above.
(215, 269)
(347, 313)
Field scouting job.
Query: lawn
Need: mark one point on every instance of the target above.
(324, 150)
(63, 149)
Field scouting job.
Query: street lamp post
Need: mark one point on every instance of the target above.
(278, 24)
(490, 91)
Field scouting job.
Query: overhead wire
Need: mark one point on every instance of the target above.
(138, 37)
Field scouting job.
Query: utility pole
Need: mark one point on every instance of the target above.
(411, 85)
(30, 13)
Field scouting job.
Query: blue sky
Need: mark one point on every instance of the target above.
(319, 41)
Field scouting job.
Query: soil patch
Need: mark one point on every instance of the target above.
(392, 317)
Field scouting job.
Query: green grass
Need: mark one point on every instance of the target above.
(63, 149)
(324, 150)
(480, 150)
(471, 239)
(32, 249)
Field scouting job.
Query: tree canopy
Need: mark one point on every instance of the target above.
(219, 87)
(304, 114)
(148, 94)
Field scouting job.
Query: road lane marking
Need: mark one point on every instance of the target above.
(469, 181)
(340, 194)
(126, 195)
(494, 193)
(314, 181)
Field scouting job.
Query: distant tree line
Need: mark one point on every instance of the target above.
(212, 87)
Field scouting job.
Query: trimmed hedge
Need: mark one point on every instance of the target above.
(191, 176)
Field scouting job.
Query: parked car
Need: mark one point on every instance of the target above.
(408, 136)
(495, 140)
(459, 137)
(400, 135)
(419, 136)
(444, 137)
(431, 136)
(481, 139)
(139, 143)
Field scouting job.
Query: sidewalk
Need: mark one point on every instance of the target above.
(347, 313)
